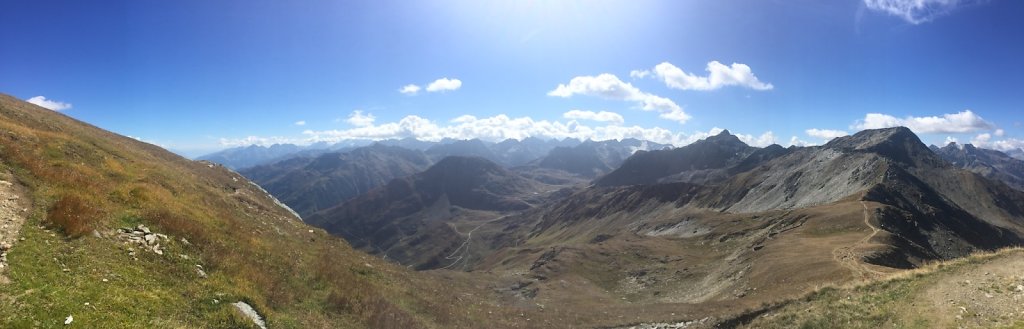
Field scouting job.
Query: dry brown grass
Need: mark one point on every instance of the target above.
(84, 179)
(74, 215)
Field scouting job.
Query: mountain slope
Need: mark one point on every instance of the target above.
(591, 159)
(702, 161)
(463, 148)
(935, 209)
(1016, 154)
(85, 184)
(417, 210)
(513, 152)
(860, 207)
(991, 164)
(249, 156)
(975, 292)
(308, 185)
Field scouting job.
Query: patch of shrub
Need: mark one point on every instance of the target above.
(74, 215)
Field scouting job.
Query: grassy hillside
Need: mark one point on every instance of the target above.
(85, 183)
(980, 291)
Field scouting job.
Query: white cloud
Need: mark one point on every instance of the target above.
(826, 134)
(603, 116)
(917, 11)
(495, 128)
(256, 140)
(794, 141)
(767, 138)
(719, 75)
(358, 119)
(609, 86)
(676, 114)
(444, 84)
(952, 123)
(1008, 144)
(951, 139)
(300, 123)
(981, 140)
(987, 140)
(49, 104)
(409, 89)
(639, 74)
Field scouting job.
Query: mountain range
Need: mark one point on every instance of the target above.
(312, 183)
(730, 218)
(989, 163)
(465, 234)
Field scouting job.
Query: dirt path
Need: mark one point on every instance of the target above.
(848, 257)
(12, 217)
(464, 247)
(985, 296)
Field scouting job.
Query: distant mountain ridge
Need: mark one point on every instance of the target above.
(243, 157)
(308, 185)
(702, 161)
(989, 163)
(509, 152)
(591, 159)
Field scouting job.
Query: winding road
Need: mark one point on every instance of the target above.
(464, 247)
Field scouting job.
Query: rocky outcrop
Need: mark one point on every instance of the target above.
(142, 238)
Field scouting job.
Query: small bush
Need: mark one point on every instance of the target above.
(74, 215)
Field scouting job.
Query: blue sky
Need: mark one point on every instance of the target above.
(197, 76)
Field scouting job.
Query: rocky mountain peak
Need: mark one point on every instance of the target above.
(725, 137)
(897, 143)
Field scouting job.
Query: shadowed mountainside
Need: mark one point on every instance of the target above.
(591, 159)
(412, 215)
(706, 160)
(308, 185)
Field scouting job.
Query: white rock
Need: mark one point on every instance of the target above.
(68, 320)
(250, 312)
